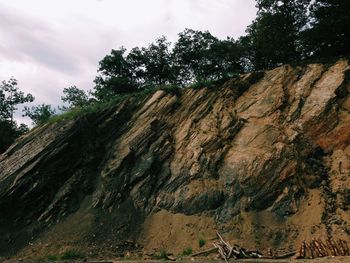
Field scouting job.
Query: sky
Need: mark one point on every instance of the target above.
(48, 45)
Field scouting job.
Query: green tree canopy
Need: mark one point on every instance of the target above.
(39, 114)
(274, 36)
(75, 97)
(9, 132)
(329, 31)
(115, 76)
(192, 55)
(158, 63)
(10, 97)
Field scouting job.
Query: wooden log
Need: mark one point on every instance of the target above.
(340, 247)
(323, 248)
(316, 247)
(230, 253)
(329, 248)
(309, 253)
(243, 253)
(269, 251)
(302, 250)
(329, 244)
(221, 251)
(335, 248)
(223, 241)
(345, 244)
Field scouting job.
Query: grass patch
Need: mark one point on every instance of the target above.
(72, 255)
(187, 251)
(163, 255)
(171, 88)
(211, 84)
(53, 257)
(91, 108)
(201, 242)
(97, 106)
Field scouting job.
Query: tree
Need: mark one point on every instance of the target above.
(329, 31)
(39, 114)
(10, 96)
(226, 59)
(192, 55)
(9, 132)
(137, 60)
(75, 97)
(158, 63)
(115, 76)
(274, 36)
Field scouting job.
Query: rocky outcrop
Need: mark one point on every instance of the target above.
(265, 159)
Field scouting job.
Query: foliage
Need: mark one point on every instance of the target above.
(191, 53)
(75, 97)
(284, 31)
(39, 114)
(163, 255)
(211, 84)
(158, 63)
(201, 242)
(115, 76)
(274, 36)
(187, 251)
(171, 88)
(329, 31)
(196, 56)
(200, 56)
(98, 106)
(9, 132)
(52, 257)
(10, 97)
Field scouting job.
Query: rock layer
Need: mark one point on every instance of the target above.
(265, 159)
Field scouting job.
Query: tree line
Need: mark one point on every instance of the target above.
(284, 31)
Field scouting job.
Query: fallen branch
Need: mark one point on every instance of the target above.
(227, 251)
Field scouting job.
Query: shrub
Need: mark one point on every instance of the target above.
(201, 242)
(163, 255)
(187, 251)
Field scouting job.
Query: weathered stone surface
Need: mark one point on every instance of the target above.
(256, 156)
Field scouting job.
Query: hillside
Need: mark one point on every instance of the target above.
(264, 159)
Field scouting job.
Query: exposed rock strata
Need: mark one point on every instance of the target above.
(265, 159)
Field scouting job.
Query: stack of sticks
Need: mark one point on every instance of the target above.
(227, 251)
(317, 248)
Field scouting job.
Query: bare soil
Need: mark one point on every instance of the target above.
(318, 260)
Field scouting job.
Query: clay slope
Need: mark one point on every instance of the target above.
(265, 159)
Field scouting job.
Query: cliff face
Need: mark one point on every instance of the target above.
(265, 159)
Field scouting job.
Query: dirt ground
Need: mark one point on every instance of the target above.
(318, 260)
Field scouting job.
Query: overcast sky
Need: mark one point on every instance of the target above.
(48, 45)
